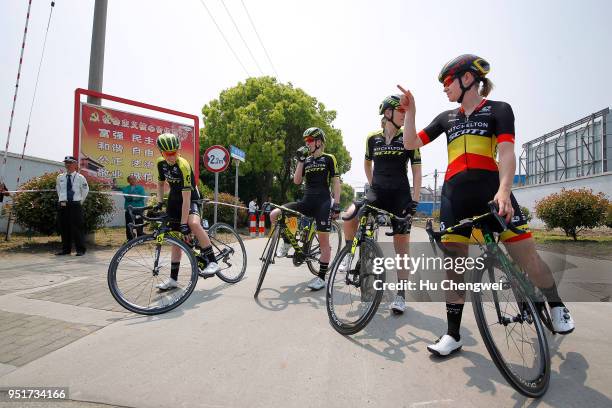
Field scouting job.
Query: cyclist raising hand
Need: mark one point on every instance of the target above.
(320, 171)
(478, 132)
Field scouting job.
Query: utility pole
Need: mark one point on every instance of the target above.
(435, 190)
(96, 56)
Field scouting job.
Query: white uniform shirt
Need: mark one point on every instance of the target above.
(79, 186)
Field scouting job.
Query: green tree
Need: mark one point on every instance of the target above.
(526, 213)
(347, 195)
(38, 210)
(573, 210)
(266, 119)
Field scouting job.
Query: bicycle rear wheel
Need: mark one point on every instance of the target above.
(335, 242)
(140, 265)
(513, 333)
(229, 251)
(269, 256)
(352, 298)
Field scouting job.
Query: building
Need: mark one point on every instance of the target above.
(574, 156)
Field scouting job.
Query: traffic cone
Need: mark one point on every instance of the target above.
(252, 225)
(262, 225)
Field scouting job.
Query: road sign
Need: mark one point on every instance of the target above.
(237, 154)
(216, 159)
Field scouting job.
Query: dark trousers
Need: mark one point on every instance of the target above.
(72, 226)
(138, 220)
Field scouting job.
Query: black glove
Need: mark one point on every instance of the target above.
(302, 153)
(184, 229)
(336, 208)
(413, 207)
(157, 207)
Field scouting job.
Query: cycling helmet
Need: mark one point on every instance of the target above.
(390, 102)
(465, 63)
(315, 133)
(168, 142)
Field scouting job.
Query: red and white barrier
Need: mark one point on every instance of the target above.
(252, 225)
(262, 225)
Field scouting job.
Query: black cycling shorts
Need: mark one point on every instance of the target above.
(467, 195)
(175, 208)
(397, 202)
(317, 207)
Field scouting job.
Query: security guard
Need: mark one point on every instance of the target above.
(72, 189)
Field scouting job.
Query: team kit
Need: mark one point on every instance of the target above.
(481, 164)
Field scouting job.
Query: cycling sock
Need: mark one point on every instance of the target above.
(402, 293)
(348, 242)
(453, 317)
(208, 254)
(323, 269)
(174, 270)
(552, 296)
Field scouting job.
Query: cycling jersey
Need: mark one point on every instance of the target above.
(179, 176)
(472, 140)
(318, 172)
(390, 160)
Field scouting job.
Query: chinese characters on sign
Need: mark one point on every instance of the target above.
(114, 144)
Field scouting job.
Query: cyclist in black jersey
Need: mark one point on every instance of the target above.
(182, 210)
(389, 185)
(320, 171)
(477, 133)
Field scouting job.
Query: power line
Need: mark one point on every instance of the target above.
(8, 137)
(241, 37)
(259, 38)
(225, 39)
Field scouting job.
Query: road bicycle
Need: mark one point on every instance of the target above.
(304, 241)
(510, 316)
(144, 262)
(354, 292)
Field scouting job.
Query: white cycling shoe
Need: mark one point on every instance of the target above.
(211, 269)
(283, 249)
(345, 264)
(167, 284)
(445, 345)
(398, 306)
(562, 320)
(316, 284)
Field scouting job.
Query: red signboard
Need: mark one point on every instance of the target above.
(112, 144)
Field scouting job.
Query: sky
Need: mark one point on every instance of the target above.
(550, 60)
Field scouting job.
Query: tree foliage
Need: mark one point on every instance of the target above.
(266, 119)
(573, 210)
(39, 210)
(347, 195)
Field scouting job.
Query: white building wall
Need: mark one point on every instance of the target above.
(528, 196)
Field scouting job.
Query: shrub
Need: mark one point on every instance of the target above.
(225, 213)
(435, 214)
(609, 216)
(573, 210)
(38, 210)
(526, 213)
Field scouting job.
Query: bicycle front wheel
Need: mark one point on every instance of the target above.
(268, 257)
(229, 251)
(512, 331)
(142, 264)
(354, 288)
(335, 242)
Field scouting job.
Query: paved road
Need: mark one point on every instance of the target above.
(60, 327)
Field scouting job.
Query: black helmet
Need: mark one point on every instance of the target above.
(315, 133)
(390, 102)
(464, 63)
(168, 142)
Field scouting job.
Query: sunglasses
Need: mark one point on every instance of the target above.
(448, 81)
(309, 139)
(169, 154)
